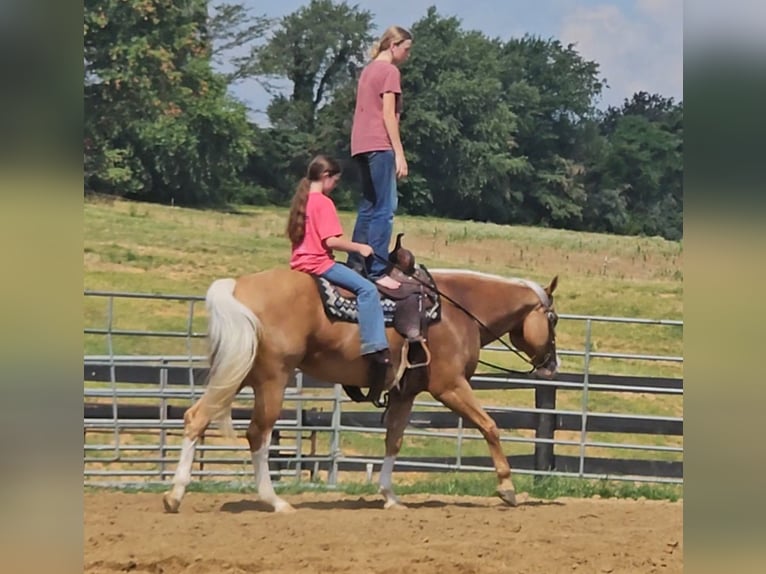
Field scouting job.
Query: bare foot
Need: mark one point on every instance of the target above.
(387, 282)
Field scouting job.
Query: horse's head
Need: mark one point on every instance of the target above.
(536, 334)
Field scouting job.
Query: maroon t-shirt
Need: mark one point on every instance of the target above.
(368, 132)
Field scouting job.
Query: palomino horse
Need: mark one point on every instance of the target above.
(263, 326)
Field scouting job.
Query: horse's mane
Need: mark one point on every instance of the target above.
(537, 288)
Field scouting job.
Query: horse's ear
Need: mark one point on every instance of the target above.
(552, 287)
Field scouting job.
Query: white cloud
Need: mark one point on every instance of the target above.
(641, 49)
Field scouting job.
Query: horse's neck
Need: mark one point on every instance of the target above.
(497, 302)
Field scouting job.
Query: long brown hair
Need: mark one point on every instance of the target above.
(296, 222)
(392, 36)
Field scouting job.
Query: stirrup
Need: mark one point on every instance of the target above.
(381, 404)
(406, 350)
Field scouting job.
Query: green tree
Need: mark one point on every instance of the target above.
(317, 48)
(457, 129)
(643, 159)
(552, 90)
(309, 66)
(233, 32)
(159, 124)
(504, 131)
(605, 208)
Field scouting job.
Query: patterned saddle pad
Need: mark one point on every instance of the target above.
(342, 308)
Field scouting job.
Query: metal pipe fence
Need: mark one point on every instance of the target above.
(312, 440)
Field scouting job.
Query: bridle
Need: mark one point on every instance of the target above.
(534, 364)
(553, 320)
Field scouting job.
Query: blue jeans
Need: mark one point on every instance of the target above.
(372, 327)
(375, 219)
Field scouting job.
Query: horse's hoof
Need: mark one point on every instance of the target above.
(284, 508)
(171, 504)
(508, 496)
(394, 505)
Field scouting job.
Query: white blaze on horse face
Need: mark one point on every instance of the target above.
(556, 358)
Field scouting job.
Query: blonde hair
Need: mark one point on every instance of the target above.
(391, 37)
(296, 222)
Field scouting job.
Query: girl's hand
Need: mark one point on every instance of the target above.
(401, 166)
(364, 250)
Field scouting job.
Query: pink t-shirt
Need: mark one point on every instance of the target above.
(368, 132)
(312, 255)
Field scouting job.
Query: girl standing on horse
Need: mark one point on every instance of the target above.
(377, 149)
(315, 231)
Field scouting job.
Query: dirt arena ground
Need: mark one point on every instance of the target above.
(233, 534)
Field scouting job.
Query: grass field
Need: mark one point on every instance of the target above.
(147, 248)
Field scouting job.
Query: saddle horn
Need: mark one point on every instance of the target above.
(397, 247)
(402, 257)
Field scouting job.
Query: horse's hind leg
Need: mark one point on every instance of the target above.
(195, 424)
(268, 405)
(397, 417)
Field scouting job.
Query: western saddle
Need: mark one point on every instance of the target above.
(416, 304)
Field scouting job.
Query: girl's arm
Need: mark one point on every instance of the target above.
(340, 243)
(392, 127)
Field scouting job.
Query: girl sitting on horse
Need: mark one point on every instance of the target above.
(315, 231)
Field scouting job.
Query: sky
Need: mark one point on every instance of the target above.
(637, 43)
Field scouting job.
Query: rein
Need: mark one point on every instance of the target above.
(473, 317)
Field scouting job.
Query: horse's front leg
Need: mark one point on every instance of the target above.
(397, 417)
(459, 397)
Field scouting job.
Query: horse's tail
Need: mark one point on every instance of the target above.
(233, 331)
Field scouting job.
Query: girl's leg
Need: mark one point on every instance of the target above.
(382, 172)
(364, 214)
(372, 328)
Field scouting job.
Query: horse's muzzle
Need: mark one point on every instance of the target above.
(547, 371)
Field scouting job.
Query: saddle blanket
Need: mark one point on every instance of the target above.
(345, 309)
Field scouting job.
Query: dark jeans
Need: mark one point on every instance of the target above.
(375, 219)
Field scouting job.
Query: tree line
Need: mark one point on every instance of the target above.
(500, 130)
